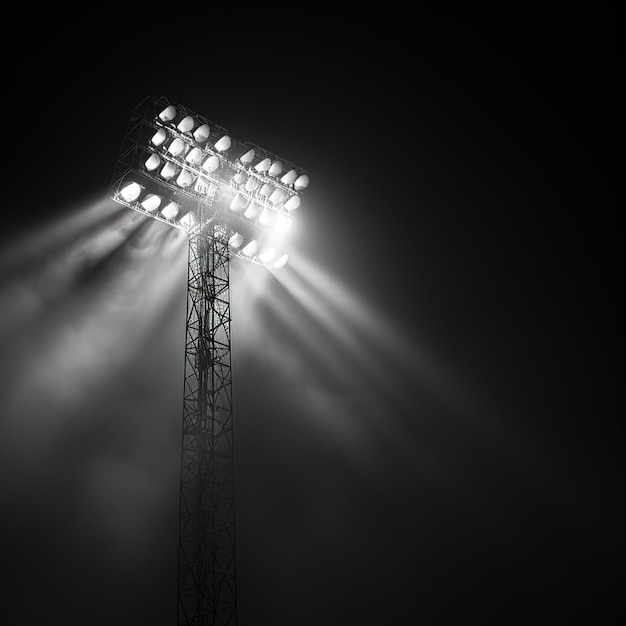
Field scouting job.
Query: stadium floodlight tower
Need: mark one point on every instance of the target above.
(230, 198)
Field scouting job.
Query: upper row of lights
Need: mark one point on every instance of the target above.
(248, 179)
(180, 152)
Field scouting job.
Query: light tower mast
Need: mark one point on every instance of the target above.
(231, 198)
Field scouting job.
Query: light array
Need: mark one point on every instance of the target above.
(179, 168)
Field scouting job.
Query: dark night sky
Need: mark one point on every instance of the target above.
(427, 401)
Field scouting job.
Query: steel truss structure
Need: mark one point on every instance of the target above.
(207, 592)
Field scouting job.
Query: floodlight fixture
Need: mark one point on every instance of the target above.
(232, 199)
(172, 152)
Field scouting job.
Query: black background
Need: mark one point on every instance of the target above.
(427, 402)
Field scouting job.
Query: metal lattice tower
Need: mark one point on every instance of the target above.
(231, 198)
(206, 592)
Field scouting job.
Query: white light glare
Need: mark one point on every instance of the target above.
(280, 262)
(250, 248)
(238, 203)
(283, 223)
(252, 211)
(267, 255)
(267, 217)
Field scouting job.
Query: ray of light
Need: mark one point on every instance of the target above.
(38, 267)
(91, 368)
(386, 388)
(331, 362)
(391, 351)
(78, 322)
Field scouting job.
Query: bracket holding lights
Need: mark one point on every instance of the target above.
(182, 169)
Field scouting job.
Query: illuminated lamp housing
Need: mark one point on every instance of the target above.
(169, 171)
(280, 262)
(170, 211)
(185, 178)
(302, 182)
(247, 157)
(186, 124)
(131, 192)
(275, 168)
(289, 177)
(239, 178)
(292, 203)
(202, 133)
(187, 221)
(168, 113)
(223, 143)
(195, 156)
(277, 196)
(153, 162)
(210, 164)
(263, 166)
(151, 202)
(236, 239)
(159, 138)
(177, 147)
(202, 180)
(250, 248)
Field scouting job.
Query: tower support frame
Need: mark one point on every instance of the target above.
(206, 569)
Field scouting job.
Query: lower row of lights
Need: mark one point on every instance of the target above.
(250, 250)
(151, 202)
